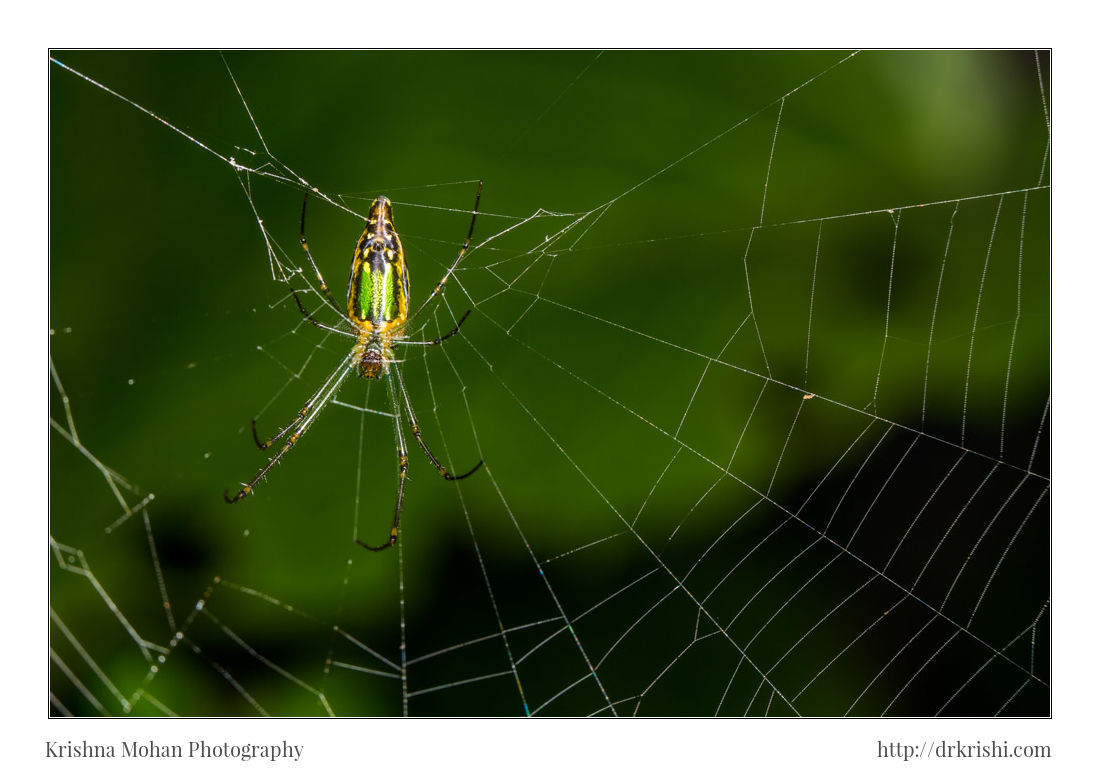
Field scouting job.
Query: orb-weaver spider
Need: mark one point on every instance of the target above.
(377, 314)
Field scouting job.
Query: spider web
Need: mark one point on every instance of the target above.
(758, 364)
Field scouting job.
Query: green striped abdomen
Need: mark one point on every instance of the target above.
(378, 289)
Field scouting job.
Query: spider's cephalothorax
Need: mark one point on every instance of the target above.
(377, 314)
(378, 291)
(372, 358)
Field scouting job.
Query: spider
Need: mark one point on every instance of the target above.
(377, 316)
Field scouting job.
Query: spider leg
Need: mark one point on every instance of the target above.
(403, 466)
(420, 440)
(310, 318)
(461, 253)
(320, 278)
(437, 340)
(306, 417)
(297, 420)
(305, 246)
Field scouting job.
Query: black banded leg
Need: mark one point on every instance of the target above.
(453, 332)
(439, 339)
(305, 247)
(403, 464)
(318, 402)
(247, 488)
(320, 279)
(403, 468)
(263, 445)
(461, 253)
(423, 445)
(308, 316)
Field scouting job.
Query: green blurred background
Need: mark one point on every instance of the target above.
(584, 362)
